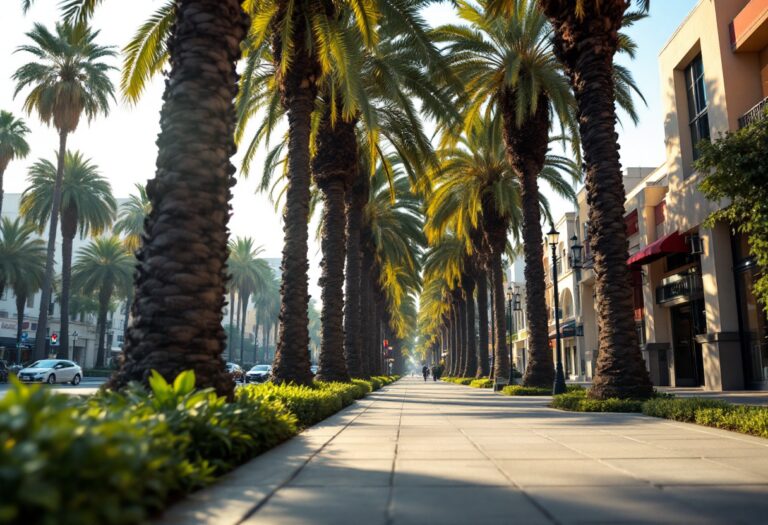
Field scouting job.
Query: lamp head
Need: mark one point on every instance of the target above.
(553, 236)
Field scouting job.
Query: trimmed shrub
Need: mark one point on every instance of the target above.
(116, 458)
(347, 391)
(376, 383)
(680, 409)
(366, 385)
(519, 390)
(309, 405)
(744, 419)
(482, 383)
(577, 401)
(458, 380)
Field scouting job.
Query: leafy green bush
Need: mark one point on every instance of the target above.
(519, 390)
(365, 384)
(577, 401)
(309, 405)
(679, 409)
(347, 391)
(376, 383)
(482, 383)
(744, 419)
(458, 380)
(116, 458)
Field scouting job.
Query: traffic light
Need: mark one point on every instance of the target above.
(54, 339)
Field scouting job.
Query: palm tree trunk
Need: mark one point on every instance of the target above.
(181, 281)
(41, 335)
(526, 148)
(104, 295)
(482, 321)
(461, 331)
(355, 201)
(21, 299)
(586, 45)
(366, 326)
(298, 91)
(3, 166)
(244, 306)
(501, 359)
(470, 368)
(68, 231)
(231, 323)
(454, 355)
(332, 363)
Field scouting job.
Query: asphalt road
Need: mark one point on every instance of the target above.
(87, 386)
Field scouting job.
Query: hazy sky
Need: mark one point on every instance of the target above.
(123, 144)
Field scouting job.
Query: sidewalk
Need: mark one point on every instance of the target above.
(423, 453)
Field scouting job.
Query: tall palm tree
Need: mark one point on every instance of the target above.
(587, 37)
(131, 216)
(87, 206)
(20, 251)
(182, 274)
(103, 268)
(21, 265)
(249, 275)
(13, 144)
(267, 303)
(68, 78)
(508, 63)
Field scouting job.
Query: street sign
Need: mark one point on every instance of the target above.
(24, 336)
(54, 339)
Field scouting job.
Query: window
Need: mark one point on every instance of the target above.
(31, 301)
(698, 121)
(632, 223)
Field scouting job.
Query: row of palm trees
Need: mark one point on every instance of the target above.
(353, 79)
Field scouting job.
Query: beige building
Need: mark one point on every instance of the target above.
(697, 318)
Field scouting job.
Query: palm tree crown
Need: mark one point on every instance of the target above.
(20, 252)
(68, 77)
(130, 219)
(13, 144)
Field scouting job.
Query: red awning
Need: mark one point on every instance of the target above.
(672, 243)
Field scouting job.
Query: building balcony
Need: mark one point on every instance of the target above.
(680, 288)
(756, 113)
(749, 30)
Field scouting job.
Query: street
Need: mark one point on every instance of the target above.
(88, 386)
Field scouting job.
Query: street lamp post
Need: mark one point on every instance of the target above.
(559, 387)
(74, 344)
(517, 307)
(510, 298)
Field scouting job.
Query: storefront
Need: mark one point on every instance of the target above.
(753, 327)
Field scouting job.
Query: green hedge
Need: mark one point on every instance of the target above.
(577, 401)
(482, 383)
(118, 458)
(519, 390)
(458, 380)
(711, 412)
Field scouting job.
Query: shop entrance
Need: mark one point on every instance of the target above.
(689, 366)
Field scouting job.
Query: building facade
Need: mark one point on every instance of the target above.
(697, 319)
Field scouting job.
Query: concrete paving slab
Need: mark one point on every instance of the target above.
(440, 453)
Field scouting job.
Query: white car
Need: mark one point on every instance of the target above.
(258, 374)
(51, 371)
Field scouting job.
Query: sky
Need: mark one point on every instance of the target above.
(123, 144)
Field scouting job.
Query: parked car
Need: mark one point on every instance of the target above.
(51, 371)
(258, 374)
(4, 372)
(235, 371)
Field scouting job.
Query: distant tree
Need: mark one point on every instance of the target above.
(13, 144)
(736, 168)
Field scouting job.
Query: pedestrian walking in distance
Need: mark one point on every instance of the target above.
(425, 372)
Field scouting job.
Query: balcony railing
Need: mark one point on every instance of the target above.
(754, 114)
(680, 288)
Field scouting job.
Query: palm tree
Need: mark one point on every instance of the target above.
(87, 206)
(20, 255)
(103, 268)
(476, 190)
(182, 275)
(21, 264)
(131, 216)
(68, 78)
(587, 36)
(13, 144)
(249, 275)
(267, 303)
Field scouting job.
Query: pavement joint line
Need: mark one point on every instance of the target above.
(525, 494)
(389, 518)
(298, 470)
